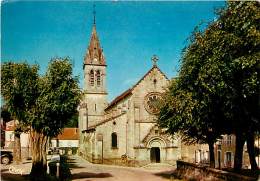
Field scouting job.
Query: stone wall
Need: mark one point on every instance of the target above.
(195, 172)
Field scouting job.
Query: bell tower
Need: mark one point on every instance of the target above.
(95, 94)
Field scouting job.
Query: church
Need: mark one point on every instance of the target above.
(124, 131)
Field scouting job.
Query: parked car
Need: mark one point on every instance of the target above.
(6, 157)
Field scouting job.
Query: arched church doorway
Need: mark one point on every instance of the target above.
(155, 155)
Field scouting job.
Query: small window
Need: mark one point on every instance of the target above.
(91, 78)
(114, 140)
(229, 140)
(98, 78)
(154, 82)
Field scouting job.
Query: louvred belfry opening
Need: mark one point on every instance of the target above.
(94, 53)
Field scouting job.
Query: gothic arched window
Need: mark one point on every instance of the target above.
(91, 78)
(114, 140)
(98, 78)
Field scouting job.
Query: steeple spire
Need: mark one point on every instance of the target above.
(94, 54)
(94, 14)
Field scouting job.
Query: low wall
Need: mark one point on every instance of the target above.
(115, 161)
(196, 172)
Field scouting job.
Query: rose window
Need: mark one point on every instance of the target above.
(151, 102)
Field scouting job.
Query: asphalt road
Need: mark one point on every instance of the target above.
(83, 170)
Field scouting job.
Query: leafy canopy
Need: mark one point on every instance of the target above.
(58, 99)
(19, 89)
(46, 103)
(217, 89)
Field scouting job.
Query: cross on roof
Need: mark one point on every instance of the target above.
(154, 59)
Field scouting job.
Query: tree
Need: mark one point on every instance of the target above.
(73, 122)
(191, 115)
(45, 104)
(18, 84)
(55, 106)
(220, 71)
(240, 46)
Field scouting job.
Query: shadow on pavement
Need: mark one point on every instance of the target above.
(165, 174)
(26, 162)
(90, 175)
(14, 177)
(69, 161)
(4, 170)
(71, 165)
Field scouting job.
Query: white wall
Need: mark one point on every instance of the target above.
(65, 143)
(9, 137)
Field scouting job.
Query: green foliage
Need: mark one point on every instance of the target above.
(182, 112)
(58, 99)
(241, 92)
(217, 90)
(5, 115)
(73, 122)
(19, 89)
(46, 103)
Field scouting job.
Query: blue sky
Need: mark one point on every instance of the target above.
(130, 33)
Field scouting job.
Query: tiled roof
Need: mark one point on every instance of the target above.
(129, 91)
(92, 128)
(69, 134)
(119, 98)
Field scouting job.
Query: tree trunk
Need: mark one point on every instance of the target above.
(251, 150)
(39, 158)
(211, 155)
(17, 148)
(240, 141)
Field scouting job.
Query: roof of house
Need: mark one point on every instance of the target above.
(129, 91)
(69, 134)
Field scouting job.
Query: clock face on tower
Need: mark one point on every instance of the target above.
(95, 59)
(151, 102)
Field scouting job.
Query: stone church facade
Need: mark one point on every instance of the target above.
(124, 131)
